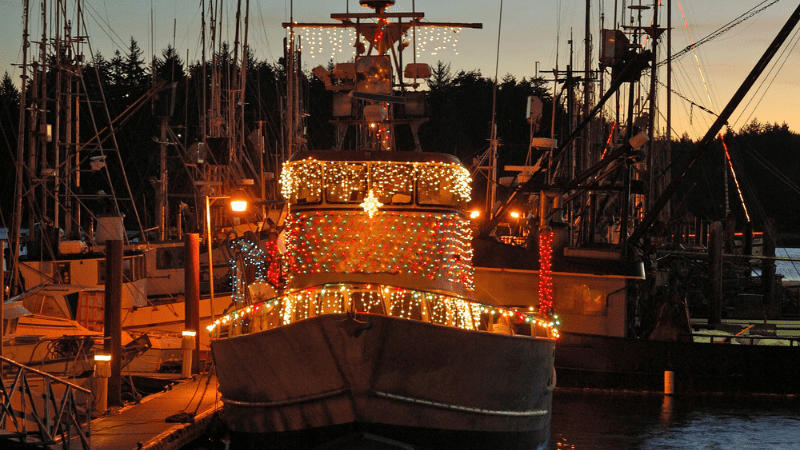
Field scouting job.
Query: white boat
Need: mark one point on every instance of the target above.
(58, 328)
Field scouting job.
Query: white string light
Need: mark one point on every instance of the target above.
(330, 42)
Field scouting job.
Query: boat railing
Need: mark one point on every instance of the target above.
(748, 340)
(358, 299)
(68, 352)
(52, 415)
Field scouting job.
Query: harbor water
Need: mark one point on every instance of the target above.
(603, 420)
(789, 269)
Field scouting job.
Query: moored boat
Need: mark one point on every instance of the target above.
(360, 317)
(376, 327)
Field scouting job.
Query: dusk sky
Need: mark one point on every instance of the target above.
(532, 31)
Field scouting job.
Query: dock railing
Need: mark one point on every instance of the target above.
(48, 417)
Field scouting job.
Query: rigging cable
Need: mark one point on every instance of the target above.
(784, 54)
(696, 105)
(719, 31)
(772, 169)
(693, 46)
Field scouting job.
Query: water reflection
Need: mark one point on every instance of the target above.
(595, 420)
(667, 412)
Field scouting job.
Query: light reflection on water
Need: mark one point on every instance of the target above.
(601, 420)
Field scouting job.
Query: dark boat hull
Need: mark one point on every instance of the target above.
(329, 375)
(589, 361)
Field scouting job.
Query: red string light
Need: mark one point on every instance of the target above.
(545, 272)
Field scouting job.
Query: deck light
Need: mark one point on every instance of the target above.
(238, 202)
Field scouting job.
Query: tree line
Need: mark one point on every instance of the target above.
(459, 107)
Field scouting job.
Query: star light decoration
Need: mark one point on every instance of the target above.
(371, 204)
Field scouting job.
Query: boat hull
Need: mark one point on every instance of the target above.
(329, 375)
(604, 362)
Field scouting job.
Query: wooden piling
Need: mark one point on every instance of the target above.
(192, 293)
(747, 239)
(768, 265)
(113, 319)
(2, 297)
(715, 246)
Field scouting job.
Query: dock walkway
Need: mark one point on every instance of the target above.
(144, 425)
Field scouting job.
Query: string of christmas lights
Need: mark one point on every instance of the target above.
(330, 42)
(436, 183)
(439, 309)
(432, 244)
(545, 272)
(437, 39)
(435, 246)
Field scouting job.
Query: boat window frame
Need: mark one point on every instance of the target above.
(456, 203)
(379, 193)
(294, 190)
(326, 184)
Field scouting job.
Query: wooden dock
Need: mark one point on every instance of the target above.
(151, 424)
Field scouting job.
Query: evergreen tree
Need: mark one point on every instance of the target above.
(9, 92)
(9, 121)
(135, 69)
(102, 68)
(440, 76)
(117, 69)
(170, 66)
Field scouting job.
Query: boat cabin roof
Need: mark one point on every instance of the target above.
(357, 156)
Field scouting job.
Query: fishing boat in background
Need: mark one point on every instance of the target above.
(73, 195)
(360, 316)
(624, 265)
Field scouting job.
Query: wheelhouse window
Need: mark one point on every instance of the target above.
(330, 302)
(435, 185)
(45, 305)
(134, 267)
(345, 182)
(393, 183)
(581, 299)
(302, 182)
(407, 305)
(367, 301)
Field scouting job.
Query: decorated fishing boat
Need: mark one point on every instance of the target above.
(374, 324)
(359, 316)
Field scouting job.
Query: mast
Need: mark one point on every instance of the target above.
(493, 141)
(204, 118)
(14, 241)
(652, 167)
(666, 176)
(587, 90)
(37, 123)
